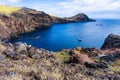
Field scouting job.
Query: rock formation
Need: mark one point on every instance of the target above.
(112, 41)
(25, 20)
(79, 17)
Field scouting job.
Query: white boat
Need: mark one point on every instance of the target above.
(79, 39)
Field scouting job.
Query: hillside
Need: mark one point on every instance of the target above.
(14, 21)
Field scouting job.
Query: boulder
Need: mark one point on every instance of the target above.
(79, 58)
(20, 47)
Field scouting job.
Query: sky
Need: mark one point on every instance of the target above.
(66, 8)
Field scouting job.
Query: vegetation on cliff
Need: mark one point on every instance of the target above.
(62, 57)
(8, 10)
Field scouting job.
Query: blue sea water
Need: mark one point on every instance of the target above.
(60, 36)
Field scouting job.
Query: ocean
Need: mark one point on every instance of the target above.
(70, 35)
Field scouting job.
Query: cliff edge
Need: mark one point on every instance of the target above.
(112, 41)
(14, 20)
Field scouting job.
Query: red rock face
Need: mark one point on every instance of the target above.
(79, 58)
(23, 21)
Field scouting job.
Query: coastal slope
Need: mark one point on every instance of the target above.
(14, 21)
(24, 62)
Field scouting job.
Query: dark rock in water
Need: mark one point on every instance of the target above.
(112, 41)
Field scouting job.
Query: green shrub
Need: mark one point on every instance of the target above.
(62, 56)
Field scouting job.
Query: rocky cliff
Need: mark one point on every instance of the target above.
(25, 20)
(112, 41)
(79, 17)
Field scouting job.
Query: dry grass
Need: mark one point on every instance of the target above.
(8, 10)
(53, 15)
(116, 66)
(62, 56)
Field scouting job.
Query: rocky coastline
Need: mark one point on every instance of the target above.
(24, 62)
(26, 20)
(20, 61)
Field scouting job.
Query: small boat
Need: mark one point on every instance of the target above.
(79, 39)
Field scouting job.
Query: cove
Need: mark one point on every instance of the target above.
(61, 36)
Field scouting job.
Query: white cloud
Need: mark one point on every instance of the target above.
(72, 7)
(13, 1)
(90, 5)
(9, 1)
(65, 8)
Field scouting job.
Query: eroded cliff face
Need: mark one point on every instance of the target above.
(26, 20)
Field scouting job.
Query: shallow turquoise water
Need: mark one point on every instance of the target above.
(61, 36)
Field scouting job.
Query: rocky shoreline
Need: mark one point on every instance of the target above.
(24, 62)
(26, 20)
